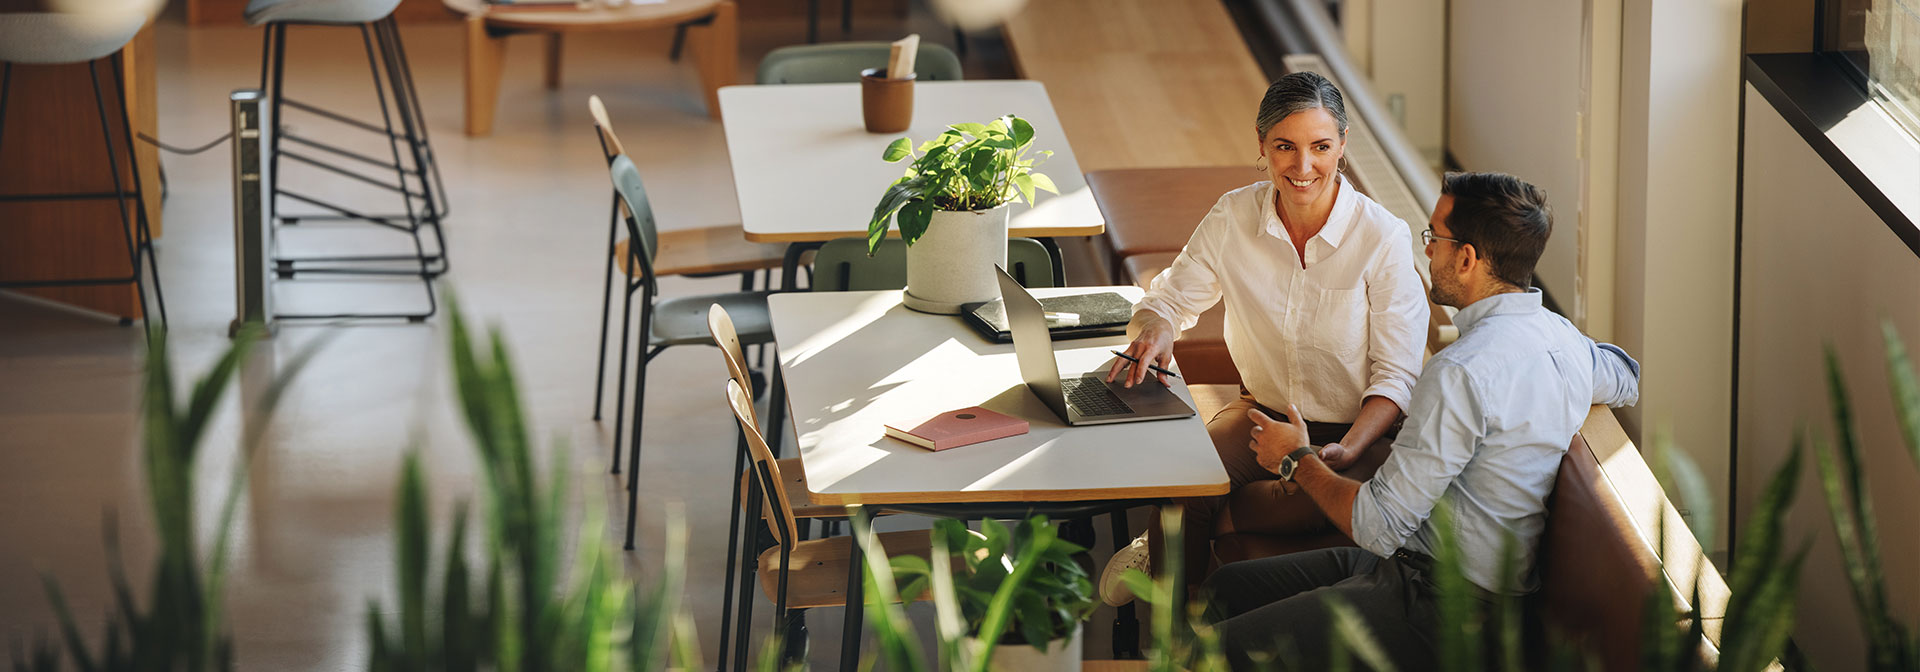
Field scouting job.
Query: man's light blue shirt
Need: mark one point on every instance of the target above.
(1491, 416)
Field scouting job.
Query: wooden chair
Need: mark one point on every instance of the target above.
(798, 573)
(701, 252)
(841, 62)
(794, 475)
(664, 323)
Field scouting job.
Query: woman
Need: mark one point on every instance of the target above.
(1324, 310)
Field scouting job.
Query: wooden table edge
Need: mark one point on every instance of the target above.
(1012, 231)
(522, 22)
(979, 496)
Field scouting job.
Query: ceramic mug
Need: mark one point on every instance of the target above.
(885, 104)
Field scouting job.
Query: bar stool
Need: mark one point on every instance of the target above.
(416, 177)
(60, 38)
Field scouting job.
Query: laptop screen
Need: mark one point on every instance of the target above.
(1032, 344)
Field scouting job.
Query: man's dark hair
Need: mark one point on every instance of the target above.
(1504, 218)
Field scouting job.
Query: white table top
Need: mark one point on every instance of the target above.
(807, 170)
(855, 361)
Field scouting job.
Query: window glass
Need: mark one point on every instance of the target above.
(1882, 39)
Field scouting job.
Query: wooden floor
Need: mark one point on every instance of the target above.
(1143, 83)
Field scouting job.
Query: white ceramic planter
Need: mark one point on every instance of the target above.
(1063, 655)
(952, 263)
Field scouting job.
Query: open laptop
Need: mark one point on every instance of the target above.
(1084, 399)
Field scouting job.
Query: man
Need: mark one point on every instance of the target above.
(1490, 418)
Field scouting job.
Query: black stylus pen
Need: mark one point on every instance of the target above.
(1136, 360)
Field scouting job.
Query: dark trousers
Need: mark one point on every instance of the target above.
(1272, 613)
(1277, 512)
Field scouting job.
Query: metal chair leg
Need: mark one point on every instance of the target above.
(126, 222)
(846, 16)
(733, 546)
(813, 21)
(748, 561)
(639, 404)
(620, 376)
(144, 235)
(606, 309)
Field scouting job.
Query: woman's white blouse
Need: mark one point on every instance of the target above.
(1351, 324)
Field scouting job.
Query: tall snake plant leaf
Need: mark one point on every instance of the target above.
(1906, 389)
(1459, 643)
(1851, 508)
(899, 645)
(1351, 636)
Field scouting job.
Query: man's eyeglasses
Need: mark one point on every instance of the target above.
(1427, 238)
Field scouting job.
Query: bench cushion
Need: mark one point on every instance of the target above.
(1157, 209)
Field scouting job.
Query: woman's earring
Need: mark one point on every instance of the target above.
(1343, 164)
(1260, 164)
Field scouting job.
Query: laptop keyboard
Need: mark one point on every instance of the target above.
(1089, 395)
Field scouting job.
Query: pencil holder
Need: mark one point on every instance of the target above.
(885, 104)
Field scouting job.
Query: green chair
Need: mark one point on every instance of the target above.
(843, 265)
(842, 62)
(664, 323)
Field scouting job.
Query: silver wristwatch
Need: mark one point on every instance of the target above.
(1292, 461)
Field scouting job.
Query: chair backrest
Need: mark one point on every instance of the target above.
(842, 62)
(843, 265)
(720, 324)
(779, 510)
(609, 142)
(639, 214)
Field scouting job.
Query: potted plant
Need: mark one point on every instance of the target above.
(1020, 591)
(953, 205)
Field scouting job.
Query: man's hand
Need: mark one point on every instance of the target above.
(1152, 344)
(1273, 440)
(1338, 457)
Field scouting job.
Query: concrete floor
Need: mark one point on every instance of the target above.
(313, 544)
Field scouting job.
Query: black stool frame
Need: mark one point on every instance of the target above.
(134, 230)
(416, 179)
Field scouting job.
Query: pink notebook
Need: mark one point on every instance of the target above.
(958, 428)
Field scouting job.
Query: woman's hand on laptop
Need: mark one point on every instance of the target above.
(1152, 344)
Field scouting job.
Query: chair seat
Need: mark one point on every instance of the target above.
(1202, 350)
(318, 11)
(795, 474)
(70, 37)
(713, 250)
(682, 320)
(819, 574)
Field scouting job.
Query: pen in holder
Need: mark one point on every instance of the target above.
(886, 104)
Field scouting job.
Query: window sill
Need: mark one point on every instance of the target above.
(1867, 149)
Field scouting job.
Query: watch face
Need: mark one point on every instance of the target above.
(1287, 465)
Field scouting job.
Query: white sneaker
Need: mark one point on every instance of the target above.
(1113, 591)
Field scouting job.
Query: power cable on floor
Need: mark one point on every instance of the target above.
(176, 150)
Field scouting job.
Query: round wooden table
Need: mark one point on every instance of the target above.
(714, 34)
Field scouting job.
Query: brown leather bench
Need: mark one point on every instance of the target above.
(1596, 567)
(1156, 209)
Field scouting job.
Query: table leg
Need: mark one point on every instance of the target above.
(851, 622)
(1126, 624)
(719, 53)
(485, 56)
(553, 61)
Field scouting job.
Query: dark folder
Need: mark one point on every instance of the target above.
(1071, 316)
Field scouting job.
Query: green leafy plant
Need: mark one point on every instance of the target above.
(1890, 644)
(966, 168)
(527, 615)
(182, 625)
(1056, 594)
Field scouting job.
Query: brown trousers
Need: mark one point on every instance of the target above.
(1273, 511)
